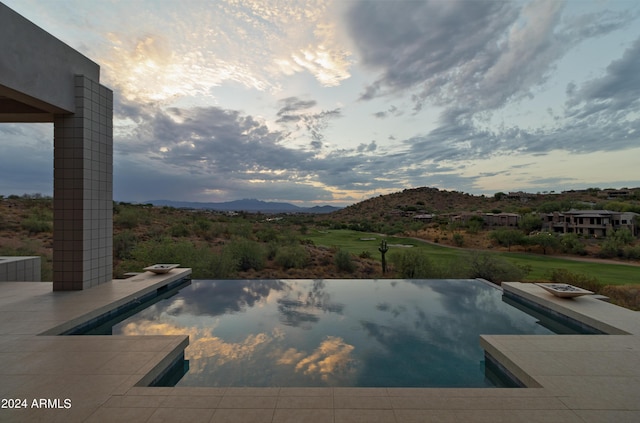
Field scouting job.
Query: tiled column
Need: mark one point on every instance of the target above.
(83, 190)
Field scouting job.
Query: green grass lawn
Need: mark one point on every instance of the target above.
(541, 266)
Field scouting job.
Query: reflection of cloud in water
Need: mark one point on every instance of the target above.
(331, 359)
(395, 311)
(416, 361)
(465, 309)
(214, 298)
(290, 356)
(300, 309)
(202, 343)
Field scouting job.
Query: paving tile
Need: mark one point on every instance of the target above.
(192, 391)
(362, 402)
(543, 416)
(264, 392)
(303, 392)
(135, 401)
(247, 401)
(365, 416)
(360, 392)
(484, 416)
(414, 402)
(127, 363)
(74, 414)
(426, 416)
(151, 390)
(302, 415)
(243, 416)
(129, 415)
(179, 415)
(305, 402)
(614, 416)
(183, 401)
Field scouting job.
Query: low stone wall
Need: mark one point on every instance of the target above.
(19, 269)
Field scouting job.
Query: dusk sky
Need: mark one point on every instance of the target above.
(332, 102)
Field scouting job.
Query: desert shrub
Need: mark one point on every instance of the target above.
(221, 265)
(493, 268)
(36, 224)
(623, 295)
(179, 230)
(217, 230)
(202, 226)
(365, 255)
(123, 244)
(198, 257)
(530, 223)
(292, 257)
(458, 239)
(615, 243)
(546, 240)
(413, 264)
(239, 229)
(632, 253)
(507, 237)
(126, 218)
(474, 225)
(571, 244)
(344, 261)
(247, 254)
(268, 234)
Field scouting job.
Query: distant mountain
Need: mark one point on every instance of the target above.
(247, 205)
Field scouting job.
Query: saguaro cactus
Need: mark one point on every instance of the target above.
(383, 250)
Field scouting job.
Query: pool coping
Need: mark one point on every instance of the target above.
(572, 378)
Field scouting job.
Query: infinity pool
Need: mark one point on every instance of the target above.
(364, 333)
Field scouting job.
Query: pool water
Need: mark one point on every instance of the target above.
(361, 333)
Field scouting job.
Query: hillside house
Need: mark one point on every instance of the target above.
(501, 219)
(489, 219)
(424, 217)
(595, 223)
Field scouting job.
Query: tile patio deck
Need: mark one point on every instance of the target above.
(572, 378)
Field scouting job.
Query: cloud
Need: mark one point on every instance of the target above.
(294, 111)
(427, 44)
(294, 104)
(33, 145)
(466, 56)
(616, 94)
(332, 359)
(244, 42)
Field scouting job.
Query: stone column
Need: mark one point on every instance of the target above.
(82, 190)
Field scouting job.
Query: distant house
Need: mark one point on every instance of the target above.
(596, 223)
(520, 195)
(501, 219)
(424, 217)
(489, 219)
(615, 193)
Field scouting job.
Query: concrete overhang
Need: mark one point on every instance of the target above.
(18, 107)
(37, 71)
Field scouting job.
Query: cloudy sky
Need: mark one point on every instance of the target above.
(333, 102)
